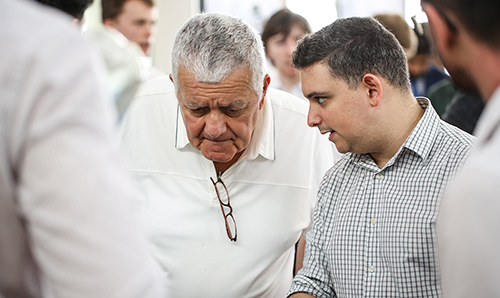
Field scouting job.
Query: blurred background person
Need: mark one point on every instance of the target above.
(136, 21)
(280, 36)
(427, 76)
(68, 222)
(124, 44)
(397, 25)
(123, 67)
(467, 36)
(464, 110)
(132, 18)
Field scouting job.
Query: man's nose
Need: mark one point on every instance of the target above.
(149, 30)
(313, 118)
(215, 125)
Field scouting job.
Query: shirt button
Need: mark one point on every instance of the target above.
(371, 269)
(374, 221)
(380, 176)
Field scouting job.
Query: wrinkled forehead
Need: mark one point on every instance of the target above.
(236, 86)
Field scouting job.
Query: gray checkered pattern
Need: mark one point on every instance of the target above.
(374, 232)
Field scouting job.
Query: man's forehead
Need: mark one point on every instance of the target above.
(136, 7)
(235, 83)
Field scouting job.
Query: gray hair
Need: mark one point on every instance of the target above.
(353, 47)
(211, 46)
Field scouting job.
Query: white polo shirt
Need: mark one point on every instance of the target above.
(272, 189)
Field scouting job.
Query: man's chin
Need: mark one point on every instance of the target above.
(465, 85)
(145, 48)
(461, 78)
(218, 157)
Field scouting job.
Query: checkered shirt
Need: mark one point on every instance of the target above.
(374, 232)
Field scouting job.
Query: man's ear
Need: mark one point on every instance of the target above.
(108, 22)
(267, 81)
(444, 36)
(171, 78)
(374, 89)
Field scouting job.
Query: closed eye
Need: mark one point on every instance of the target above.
(234, 109)
(232, 112)
(198, 112)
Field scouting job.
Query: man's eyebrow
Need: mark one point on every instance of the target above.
(192, 104)
(234, 104)
(316, 93)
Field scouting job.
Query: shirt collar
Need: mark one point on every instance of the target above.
(422, 137)
(263, 138)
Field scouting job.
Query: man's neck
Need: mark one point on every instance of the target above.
(402, 126)
(221, 167)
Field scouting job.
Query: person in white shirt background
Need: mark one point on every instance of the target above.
(136, 21)
(280, 36)
(68, 208)
(467, 37)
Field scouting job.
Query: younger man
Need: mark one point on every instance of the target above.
(373, 231)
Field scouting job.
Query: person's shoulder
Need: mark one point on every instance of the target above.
(157, 86)
(154, 97)
(456, 142)
(288, 102)
(30, 20)
(457, 134)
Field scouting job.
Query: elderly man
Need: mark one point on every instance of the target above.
(467, 35)
(228, 168)
(373, 231)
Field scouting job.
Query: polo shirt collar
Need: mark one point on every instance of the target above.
(263, 139)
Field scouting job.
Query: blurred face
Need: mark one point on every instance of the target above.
(220, 117)
(460, 75)
(335, 109)
(418, 65)
(455, 63)
(280, 48)
(136, 23)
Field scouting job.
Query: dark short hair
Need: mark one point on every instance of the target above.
(113, 8)
(75, 8)
(480, 17)
(282, 22)
(353, 47)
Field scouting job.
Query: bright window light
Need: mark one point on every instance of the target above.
(318, 13)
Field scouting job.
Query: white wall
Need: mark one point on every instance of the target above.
(172, 15)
